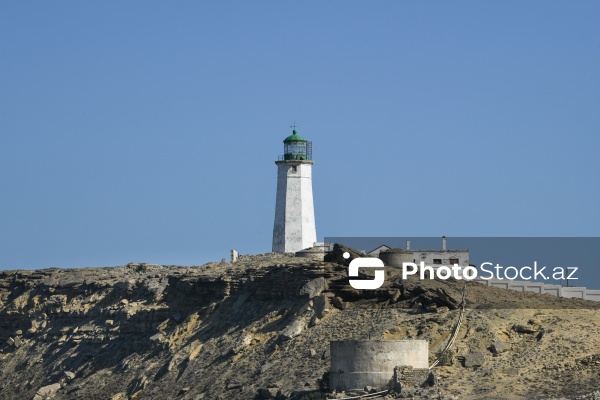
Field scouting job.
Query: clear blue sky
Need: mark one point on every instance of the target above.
(147, 131)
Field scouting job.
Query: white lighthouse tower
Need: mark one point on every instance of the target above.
(294, 227)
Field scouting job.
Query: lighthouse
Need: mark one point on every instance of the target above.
(294, 227)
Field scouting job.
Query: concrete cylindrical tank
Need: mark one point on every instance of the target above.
(359, 363)
(395, 257)
(314, 253)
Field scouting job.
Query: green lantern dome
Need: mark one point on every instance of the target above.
(295, 147)
(294, 137)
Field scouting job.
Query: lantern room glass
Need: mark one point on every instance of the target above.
(295, 151)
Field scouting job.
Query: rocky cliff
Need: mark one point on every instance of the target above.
(261, 328)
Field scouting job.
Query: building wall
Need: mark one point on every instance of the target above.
(427, 256)
(294, 227)
(309, 229)
(576, 292)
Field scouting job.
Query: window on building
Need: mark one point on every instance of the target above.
(454, 261)
(437, 260)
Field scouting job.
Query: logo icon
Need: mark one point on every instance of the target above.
(368, 284)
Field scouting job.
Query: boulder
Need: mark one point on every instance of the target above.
(448, 299)
(321, 306)
(293, 329)
(314, 287)
(474, 360)
(500, 347)
(47, 392)
(337, 254)
(338, 302)
(523, 329)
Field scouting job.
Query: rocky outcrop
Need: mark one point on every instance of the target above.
(225, 331)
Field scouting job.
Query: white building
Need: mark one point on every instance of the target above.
(294, 228)
(431, 257)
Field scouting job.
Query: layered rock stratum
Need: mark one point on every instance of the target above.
(261, 327)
